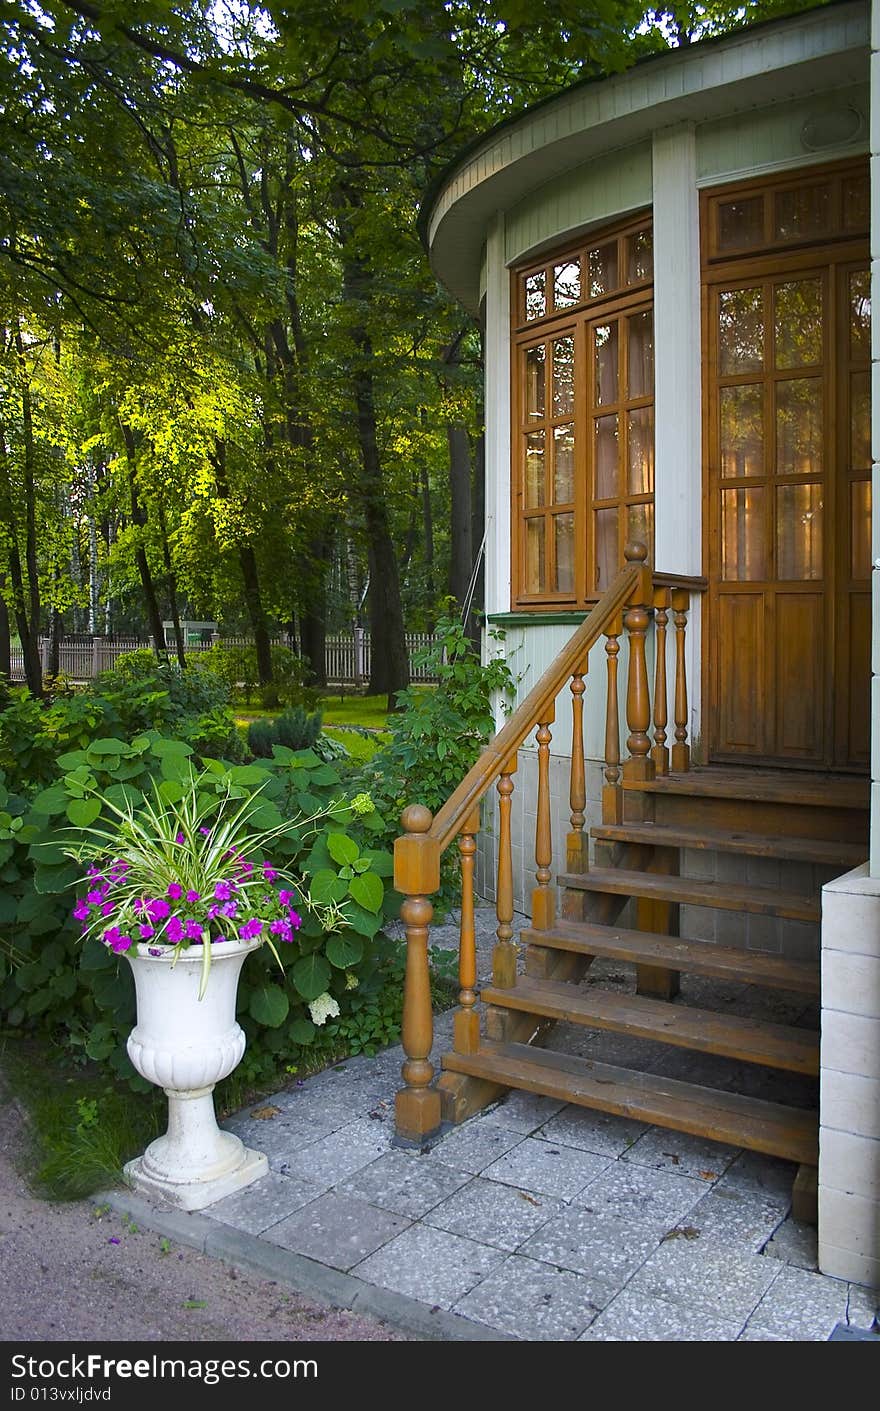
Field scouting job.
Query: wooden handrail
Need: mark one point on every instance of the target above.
(448, 819)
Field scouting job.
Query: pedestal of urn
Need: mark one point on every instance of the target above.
(185, 1045)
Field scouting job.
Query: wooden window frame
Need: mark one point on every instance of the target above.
(575, 320)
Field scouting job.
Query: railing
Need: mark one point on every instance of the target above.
(627, 607)
(347, 655)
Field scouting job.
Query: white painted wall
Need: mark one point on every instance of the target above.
(497, 355)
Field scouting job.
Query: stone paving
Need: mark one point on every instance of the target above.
(533, 1221)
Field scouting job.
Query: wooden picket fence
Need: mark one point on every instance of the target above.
(347, 655)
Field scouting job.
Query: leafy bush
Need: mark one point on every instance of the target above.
(237, 667)
(438, 734)
(261, 738)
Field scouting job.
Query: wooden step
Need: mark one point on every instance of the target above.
(727, 896)
(823, 852)
(700, 1030)
(811, 790)
(673, 953)
(752, 1123)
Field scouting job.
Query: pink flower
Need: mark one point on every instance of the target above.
(180, 838)
(205, 832)
(114, 938)
(229, 908)
(223, 891)
(94, 898)
(245, 867)
(146, 932)
(175, 930)
(175, 891)
(157, 909)
(283, 929)
(193, 930)
(107, 908)
(269, 872)
(285, 897)
(251, 929)
(81, 911)
(193, 895)
(295, 919)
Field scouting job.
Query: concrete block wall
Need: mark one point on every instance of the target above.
(849, 1104)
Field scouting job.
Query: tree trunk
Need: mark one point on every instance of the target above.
(461, 555)
(171, 584)
(30, 494)
(428, 533)
(5, 638)
(389, 658)
(253, 598)
(27, 633)
(56, 632)
(139, 518)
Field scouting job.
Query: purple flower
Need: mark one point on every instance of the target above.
(114, 938)
(229, 908)
(81, 910)
(154, 950)
(223, 891)
(175, 930)
(213, 911)
(175, 891)
(107, 909)
(180, 838)
(285, 897)
(93, 871)
(114, 1240)
(95, 898)
(193, 930)
(269, 872)
(283, 929)
(295, 919)
(245, 867)
(251, 929)
(157, 909)
(138, 906)
(205, 832)
(193, 895)
(146, 932)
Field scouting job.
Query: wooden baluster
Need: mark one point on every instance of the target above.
(660, 752)
(417, 875)
(681, 750)
(612, 810)
(504, 954)
(543, 900)
(466, 1023)
(638, 695)
(577, 843)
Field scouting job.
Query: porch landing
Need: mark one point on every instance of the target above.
(533, 1221)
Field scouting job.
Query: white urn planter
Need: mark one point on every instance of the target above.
(185, 1045)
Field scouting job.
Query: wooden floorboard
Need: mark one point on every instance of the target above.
(682, 1026)
(821, 851)
(674, 953)
(728, 896)
(764, 785)
(752, 1123)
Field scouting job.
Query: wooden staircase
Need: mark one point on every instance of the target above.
(657, 827)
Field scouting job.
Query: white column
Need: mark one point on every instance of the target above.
(678, 485)
(497, 356)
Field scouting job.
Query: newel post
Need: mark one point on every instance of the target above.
(636, 619)
(417, 876)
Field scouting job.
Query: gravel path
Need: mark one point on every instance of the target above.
(73, 1273)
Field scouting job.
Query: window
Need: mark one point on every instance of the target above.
(584, 416)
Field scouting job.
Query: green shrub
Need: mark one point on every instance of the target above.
(237, 667)
(261, 738)
(298, 730)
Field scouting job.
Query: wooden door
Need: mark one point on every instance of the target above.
(789, 510)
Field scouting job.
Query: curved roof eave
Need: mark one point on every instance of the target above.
(773, 62)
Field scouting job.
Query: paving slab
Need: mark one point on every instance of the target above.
(637, 1317)
(271, 1199)
(476, 1144)
(600, 1132)
(331, 1159)
(795, 1243)
(336, 1230)
(495, 1214)
(863, 1307)
(525, 1112)
(547, 1167)
(607, 1252)
(678, 1151)
(532, 1301)
(707, 1275)
(410, 1183)
(804, 1306)
(430, 1265)
(624, 1192)
(737, 1217)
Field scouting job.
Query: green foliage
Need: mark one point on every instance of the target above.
(237, 667)
(295, 729)
(438, 734)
